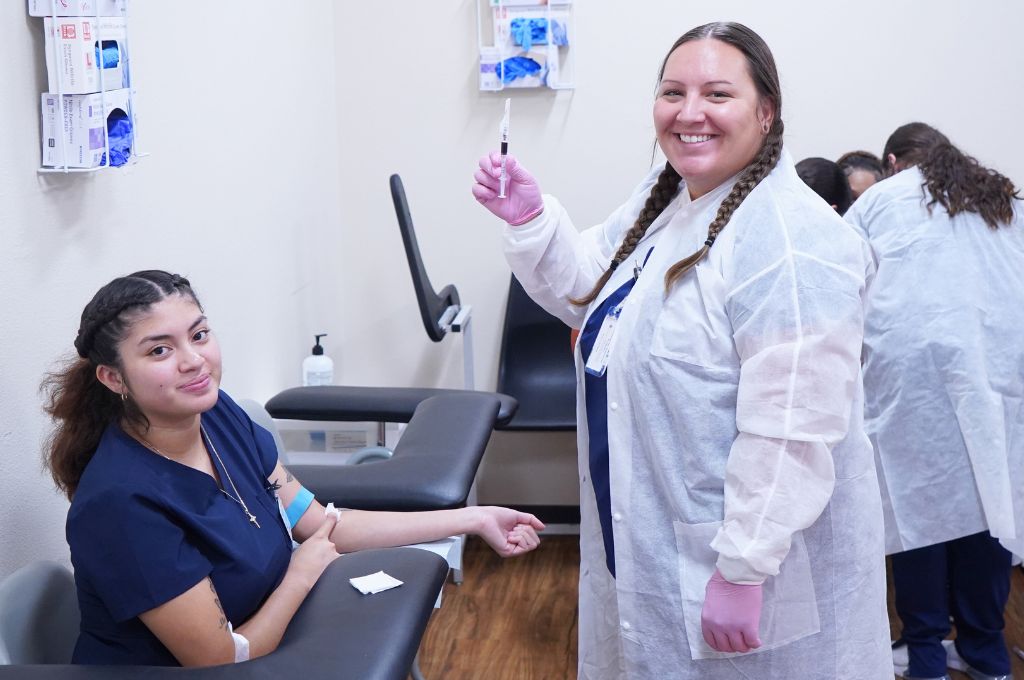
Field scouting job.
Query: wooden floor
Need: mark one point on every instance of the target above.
(512, 618)
(516, 619)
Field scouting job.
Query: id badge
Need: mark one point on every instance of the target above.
(597, 364)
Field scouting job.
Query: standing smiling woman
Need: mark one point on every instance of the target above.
(182, 519)
(731, 517)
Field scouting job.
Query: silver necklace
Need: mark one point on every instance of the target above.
(209, 445)
(237, 497)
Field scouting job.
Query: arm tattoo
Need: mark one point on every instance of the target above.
(216, 600)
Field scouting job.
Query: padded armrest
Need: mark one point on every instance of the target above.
(433, 465)
(337, 634)
(354, 404)
(340, 633)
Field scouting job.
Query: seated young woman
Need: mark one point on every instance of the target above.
(183, 521)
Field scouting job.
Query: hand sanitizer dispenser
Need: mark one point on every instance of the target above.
(317, 369)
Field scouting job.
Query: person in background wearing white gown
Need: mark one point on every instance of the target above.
(944, 386)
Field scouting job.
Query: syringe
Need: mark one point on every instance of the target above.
(502, 179)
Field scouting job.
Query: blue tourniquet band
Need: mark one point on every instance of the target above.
(298, 506)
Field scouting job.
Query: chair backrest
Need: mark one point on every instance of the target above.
(261, 417)
(536, 365)
(39, 617)
(432, 304)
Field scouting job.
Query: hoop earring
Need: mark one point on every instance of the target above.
(124, 397)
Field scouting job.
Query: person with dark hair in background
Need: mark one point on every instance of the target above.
(731, 518)
(944, 386)
(862, 169)
(828, 181)
(182, 518)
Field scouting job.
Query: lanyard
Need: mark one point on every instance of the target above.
(597, 363)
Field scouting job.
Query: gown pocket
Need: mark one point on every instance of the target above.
(789, 611)
(693, 326)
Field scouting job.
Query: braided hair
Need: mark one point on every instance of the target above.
(661, 195)
(956, 181)
(758, 169)
(763, 72)
(81, 406)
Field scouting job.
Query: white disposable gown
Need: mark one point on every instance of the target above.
(737, 397)
(944, 367)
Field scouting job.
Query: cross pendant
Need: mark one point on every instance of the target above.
(252, 519)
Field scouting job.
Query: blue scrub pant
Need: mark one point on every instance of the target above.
(969, 578)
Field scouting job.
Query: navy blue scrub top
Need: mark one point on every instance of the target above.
(596, 388)
(144, 529)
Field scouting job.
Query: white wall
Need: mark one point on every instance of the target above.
(267, 182)
(238, 186)
(851, 73)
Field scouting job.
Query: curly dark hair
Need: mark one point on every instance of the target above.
(79, 403)
(956, 181)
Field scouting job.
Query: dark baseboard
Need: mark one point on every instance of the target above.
(552, 514)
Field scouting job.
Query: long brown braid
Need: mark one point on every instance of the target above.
(761, 65)
(758, 169)
(662, 193)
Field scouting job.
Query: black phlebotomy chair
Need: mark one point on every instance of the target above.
(536, 366)
(337, 633)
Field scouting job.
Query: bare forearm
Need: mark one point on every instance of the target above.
(266, 627)
(359, 530)
(194, 626)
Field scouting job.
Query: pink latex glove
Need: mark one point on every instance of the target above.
(522, 200)
(731, 615)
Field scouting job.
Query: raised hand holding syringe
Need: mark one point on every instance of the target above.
(503, 186)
